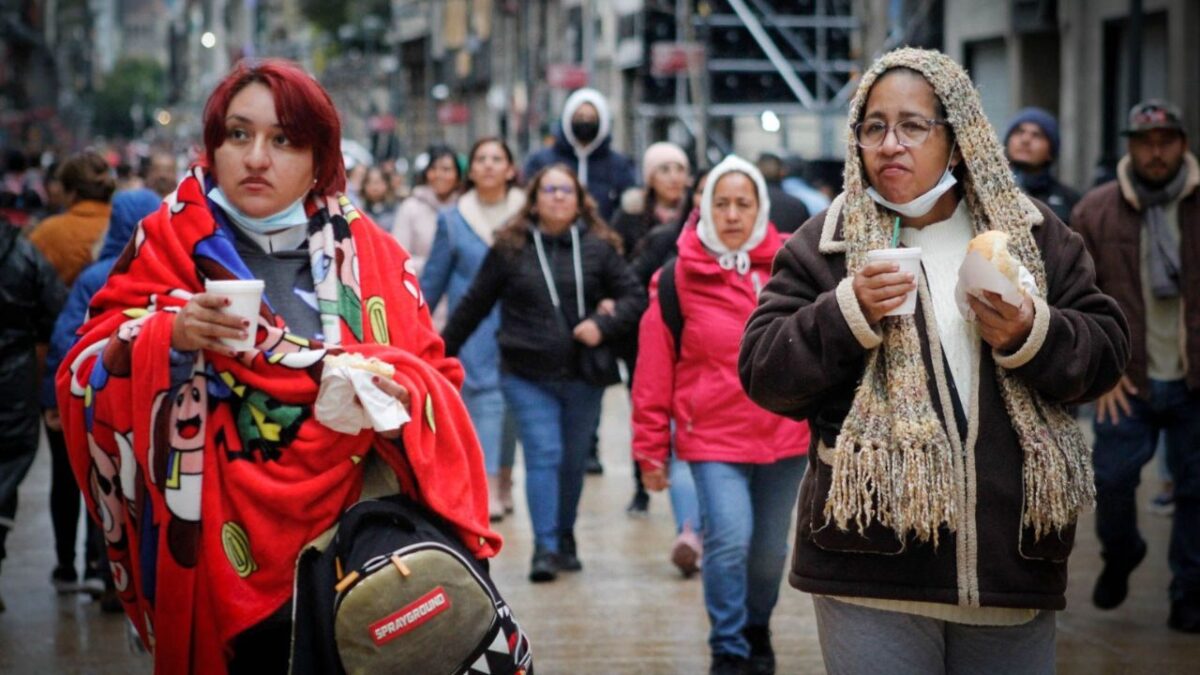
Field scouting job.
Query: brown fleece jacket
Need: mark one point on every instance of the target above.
(803, 356)
(1110, 221)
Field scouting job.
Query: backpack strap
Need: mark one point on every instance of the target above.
(668, 304)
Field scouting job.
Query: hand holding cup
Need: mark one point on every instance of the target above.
(882, 288)
(203, 324)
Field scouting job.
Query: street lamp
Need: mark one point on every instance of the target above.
(208, 40)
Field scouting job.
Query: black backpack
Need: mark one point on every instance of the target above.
(668, 304)
(396, 591)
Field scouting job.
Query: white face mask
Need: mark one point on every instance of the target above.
(291, 216)
(922, 204)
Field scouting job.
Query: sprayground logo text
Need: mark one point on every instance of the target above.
(409, 617)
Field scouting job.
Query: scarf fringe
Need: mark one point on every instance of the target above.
(1057, 473)
(894, 472)
(900, 488)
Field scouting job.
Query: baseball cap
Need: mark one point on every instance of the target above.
(1153, 114)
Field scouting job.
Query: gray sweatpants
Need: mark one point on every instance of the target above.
(859, 640)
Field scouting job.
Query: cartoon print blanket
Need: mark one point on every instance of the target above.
(207, 488)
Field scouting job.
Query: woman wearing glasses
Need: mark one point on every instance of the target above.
(939, 508)
(549, 268)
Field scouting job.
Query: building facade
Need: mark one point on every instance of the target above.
(1073, 57)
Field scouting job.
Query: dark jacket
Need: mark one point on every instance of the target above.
(787, 212)
(609, 172)
(534, 343)
(801, 358)
(31, 295)
(1111, 226)
(1046, 188)
(636, 218)
(660, 244)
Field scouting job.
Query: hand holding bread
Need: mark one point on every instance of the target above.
(1001, 324)
(349, 400)
(993, 246)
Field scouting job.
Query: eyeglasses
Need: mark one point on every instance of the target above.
(909, 133)
(551, 190)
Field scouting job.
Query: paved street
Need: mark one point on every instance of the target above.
(627, 612)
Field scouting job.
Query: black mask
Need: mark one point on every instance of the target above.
(585, 131)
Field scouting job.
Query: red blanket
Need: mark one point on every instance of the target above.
(208, 486)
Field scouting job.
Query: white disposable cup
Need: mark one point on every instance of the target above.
(245, 298)
(909, 260)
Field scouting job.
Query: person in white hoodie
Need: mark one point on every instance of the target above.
(584, 143)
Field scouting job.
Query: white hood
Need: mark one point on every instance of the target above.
(576, 99)
(705, 228)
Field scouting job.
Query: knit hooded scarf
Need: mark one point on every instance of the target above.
(207, 489)
(894, 460)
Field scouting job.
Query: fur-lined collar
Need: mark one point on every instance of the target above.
(472, 212)
(633, 201)
(1125, 179)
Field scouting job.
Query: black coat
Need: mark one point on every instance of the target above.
(31, 296)
(534, 343)
(1060, 198)
(788, 213)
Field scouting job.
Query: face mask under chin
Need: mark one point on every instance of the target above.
(924, 203)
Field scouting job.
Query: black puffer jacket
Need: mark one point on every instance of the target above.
(31, 296)
(534, 343)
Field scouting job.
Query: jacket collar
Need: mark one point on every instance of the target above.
(1125, 179)
(89, 208)
(563, 238)
(471, 210)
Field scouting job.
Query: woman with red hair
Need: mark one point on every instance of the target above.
(211, 467)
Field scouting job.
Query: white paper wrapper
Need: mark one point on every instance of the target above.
(349, 402)
(978, 274)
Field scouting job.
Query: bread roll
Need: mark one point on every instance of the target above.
(993, 246)
(352, 360)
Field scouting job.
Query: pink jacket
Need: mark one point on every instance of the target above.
(715, 420)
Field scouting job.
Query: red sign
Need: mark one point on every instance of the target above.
(451, 114)
(675, 58)
(409, 617)
(566, 76)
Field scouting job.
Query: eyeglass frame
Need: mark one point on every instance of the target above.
(891, 128)
(552, 190)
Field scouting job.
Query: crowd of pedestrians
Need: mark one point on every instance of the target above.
(933, 459)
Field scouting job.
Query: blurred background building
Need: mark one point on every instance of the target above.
(713, 75)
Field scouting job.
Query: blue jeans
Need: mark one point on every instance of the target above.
(746, 510)
(508, 440)
(1122, 449)
(685, 505)
(555, 421)
(486, 408)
